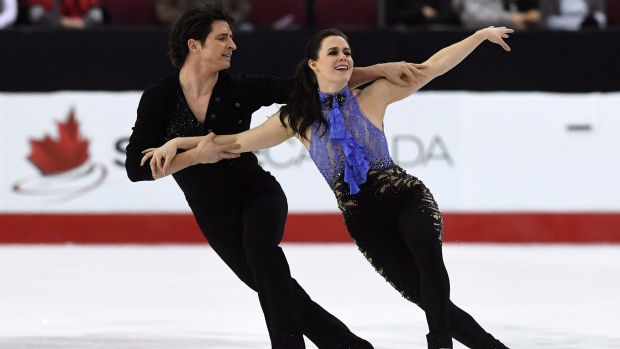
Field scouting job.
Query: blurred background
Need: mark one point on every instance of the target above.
(517, 146)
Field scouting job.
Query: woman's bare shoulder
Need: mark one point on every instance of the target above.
(375, 92)
(372, 101)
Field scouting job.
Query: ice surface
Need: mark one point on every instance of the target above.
(184, 297)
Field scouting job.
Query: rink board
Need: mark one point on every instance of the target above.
(503, 167)
(181, 228)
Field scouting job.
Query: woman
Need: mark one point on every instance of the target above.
(391, 215)
(239, 207)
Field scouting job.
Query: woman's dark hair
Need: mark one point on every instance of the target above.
(195, 23)
(305, 107)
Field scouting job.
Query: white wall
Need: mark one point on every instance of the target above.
(491, 152)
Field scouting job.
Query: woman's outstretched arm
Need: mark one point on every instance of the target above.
(440, 63)
(268, 134)
(211, 148)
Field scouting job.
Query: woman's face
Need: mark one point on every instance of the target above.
(217, 49)
(334, 64)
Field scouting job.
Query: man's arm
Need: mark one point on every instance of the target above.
(165, 160)
(394, 72)
(269, 90)
(148, 132)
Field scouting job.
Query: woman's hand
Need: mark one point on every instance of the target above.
(497, 35)
(160, 157)
(202, 149)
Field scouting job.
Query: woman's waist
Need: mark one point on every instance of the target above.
(383, 187)
(390, 175)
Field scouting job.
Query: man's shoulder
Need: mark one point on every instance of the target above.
(163, 87)
(161, 93)
(169, 81)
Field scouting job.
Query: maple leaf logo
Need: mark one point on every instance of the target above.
(56, 156)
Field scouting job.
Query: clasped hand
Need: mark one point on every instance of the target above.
(201, 149)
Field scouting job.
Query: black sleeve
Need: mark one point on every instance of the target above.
(148, 132)
(269, 90)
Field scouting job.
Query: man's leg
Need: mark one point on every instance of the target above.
(264, 215)
(246, 259)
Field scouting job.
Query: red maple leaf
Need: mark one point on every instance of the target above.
(68, 152)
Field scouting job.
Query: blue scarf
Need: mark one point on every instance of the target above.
(356, 165)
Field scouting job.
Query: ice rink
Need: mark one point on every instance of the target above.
(184, 297)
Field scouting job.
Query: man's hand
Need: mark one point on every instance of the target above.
(394, 72)
(207, 152)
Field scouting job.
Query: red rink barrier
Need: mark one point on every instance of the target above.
(168, 228)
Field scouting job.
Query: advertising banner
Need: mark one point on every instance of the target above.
(498, 152)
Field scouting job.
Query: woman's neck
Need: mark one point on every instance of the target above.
(331, 88)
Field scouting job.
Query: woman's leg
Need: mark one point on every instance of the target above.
(419, 226)
(467, 331)
(382, 244)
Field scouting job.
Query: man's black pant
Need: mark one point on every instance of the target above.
(244, 228)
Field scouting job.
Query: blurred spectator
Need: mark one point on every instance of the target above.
(420, 13)
(516, 14)
(574, 14)
(125, 13)
(168, 11)
(8, 13)
(67, 14)
(281, 14)
(345, 13)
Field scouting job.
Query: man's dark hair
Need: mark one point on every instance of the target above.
(195, 23)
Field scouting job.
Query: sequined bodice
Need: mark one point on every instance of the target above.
(183, 123)
(329, 155)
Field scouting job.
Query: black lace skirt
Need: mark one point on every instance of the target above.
(371, 218)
